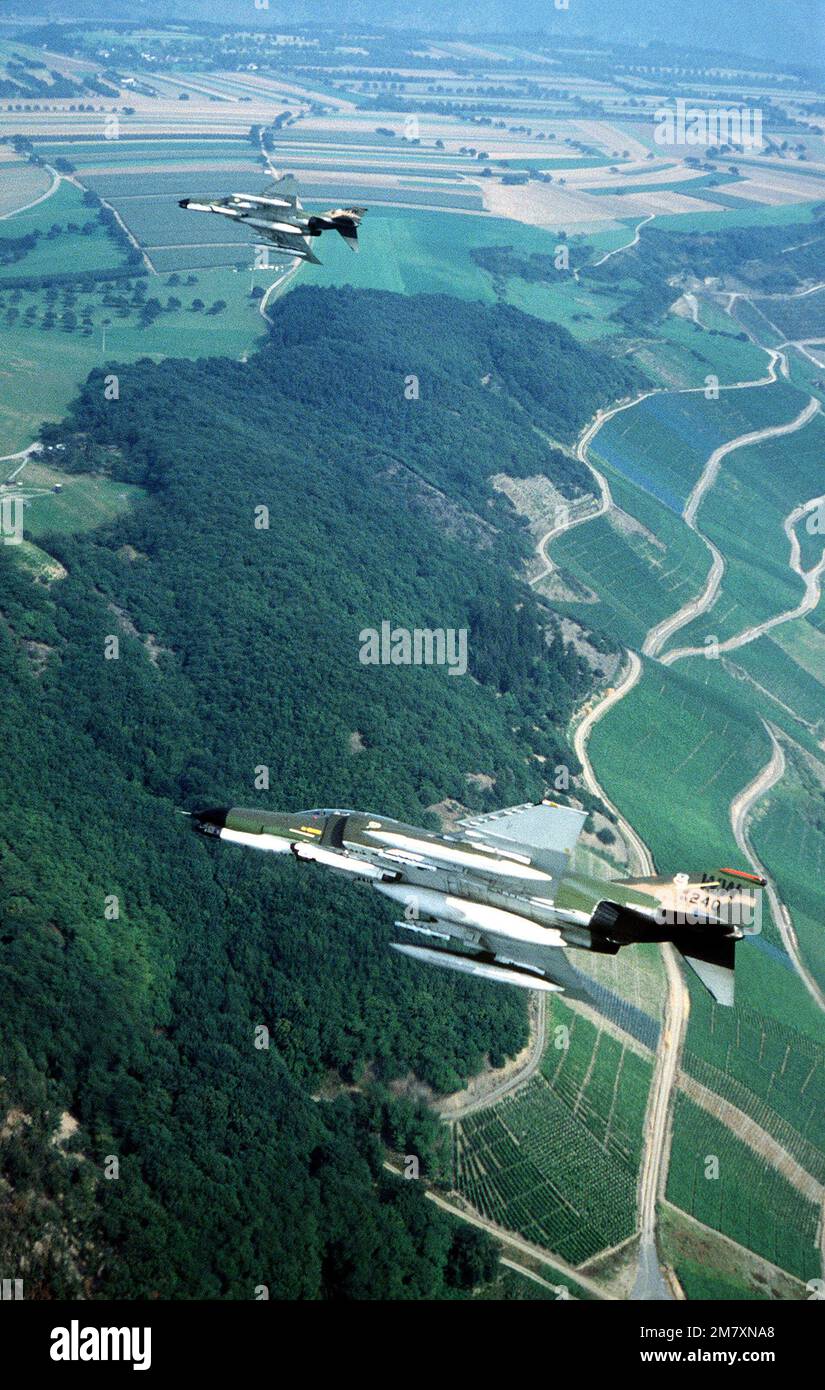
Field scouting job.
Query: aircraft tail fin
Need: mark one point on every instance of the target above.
(709, 913)
(730, 897)
(346, 222)
(546, 830)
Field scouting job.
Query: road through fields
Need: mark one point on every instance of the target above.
(704, 601)
(741, 809)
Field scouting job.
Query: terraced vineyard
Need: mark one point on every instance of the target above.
(558, 1160)
(774, 668)
(707, 745)
(791, 835)
(642, 565)
(800, 316)
(743, 515)
(749, 1200)
(663, 443)
(770, 1071)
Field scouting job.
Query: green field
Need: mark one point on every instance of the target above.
(83, 503)
(421, 253)
(702, 753)
(639, 576)
(42, 368)
(64, 253)
(708, 1267)
(99, 153)
(743, 515)
(734, 217)
(583, 311)
(804, 642)
(755, 323)
(780, 676)
(750, 1201)
(663, 443)
(682, 354)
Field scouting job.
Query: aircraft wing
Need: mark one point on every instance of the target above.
(549, 831)
(292, 243)
(286, 187)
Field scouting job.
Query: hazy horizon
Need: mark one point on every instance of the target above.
(758, 28)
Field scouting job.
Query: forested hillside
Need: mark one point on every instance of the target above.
(136, 962)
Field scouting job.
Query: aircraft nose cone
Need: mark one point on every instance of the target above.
(184, 203)
(210, 822)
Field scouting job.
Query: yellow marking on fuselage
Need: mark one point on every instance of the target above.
(306, 830)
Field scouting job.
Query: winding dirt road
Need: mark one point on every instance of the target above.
(663, 631)
(740, 812)
(650, 1283)
(459, 1110)
(628, 244)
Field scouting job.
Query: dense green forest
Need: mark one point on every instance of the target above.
(136, 962)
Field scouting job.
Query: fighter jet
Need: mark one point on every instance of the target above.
(495, 897)
(276, 216)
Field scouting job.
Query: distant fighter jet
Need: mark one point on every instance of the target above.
(497, 897)
(277, 216)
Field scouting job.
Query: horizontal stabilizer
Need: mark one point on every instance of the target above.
(711, 955)
(284, 186)
(717, 979)
(348, 230)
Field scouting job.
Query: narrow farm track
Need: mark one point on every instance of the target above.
(53, 187)
(741, 810)
(650, 1283)
(694, 608)
(511, 1241)
(628, 244)
(456, 1109)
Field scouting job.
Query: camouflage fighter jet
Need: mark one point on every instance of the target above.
(495, 896)
(276, 216)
